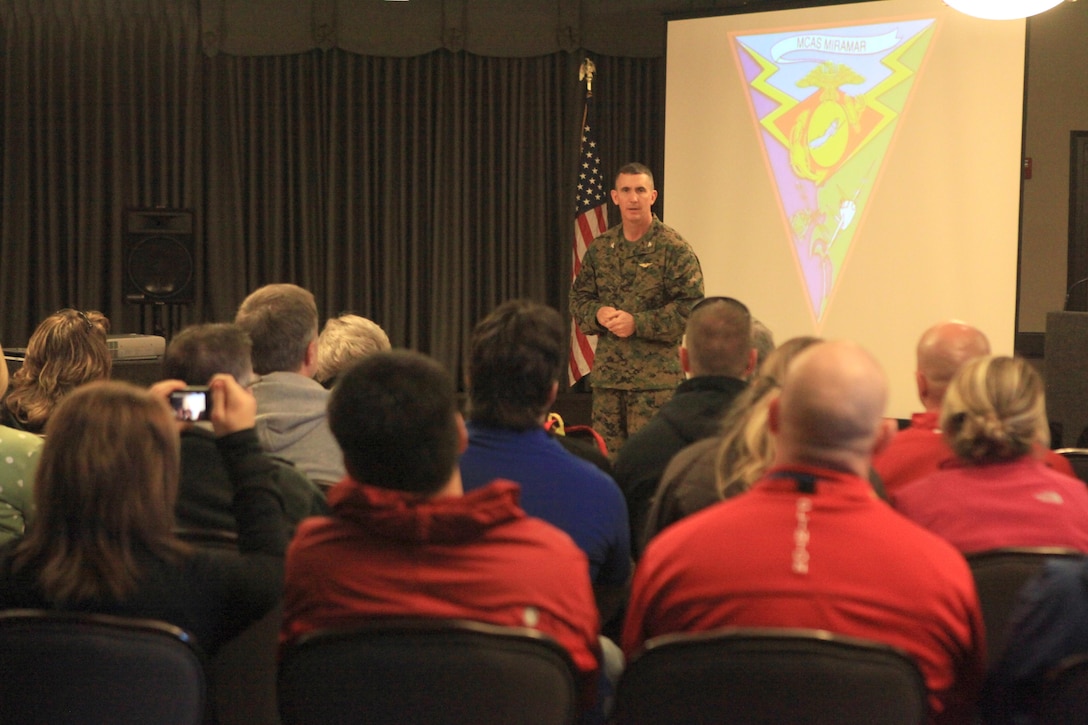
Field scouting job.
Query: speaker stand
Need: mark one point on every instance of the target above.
(161, 324)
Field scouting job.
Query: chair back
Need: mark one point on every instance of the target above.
(999, 576)
(416, 672)
(75, 668)
(770, 676)
(1064, 696)
(1078, 459)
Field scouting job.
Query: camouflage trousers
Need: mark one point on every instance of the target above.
(619, 413)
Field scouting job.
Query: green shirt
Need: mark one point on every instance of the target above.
(19, 453)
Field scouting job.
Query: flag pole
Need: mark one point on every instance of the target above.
(590, 219)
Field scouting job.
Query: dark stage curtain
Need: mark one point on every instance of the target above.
(417, 191)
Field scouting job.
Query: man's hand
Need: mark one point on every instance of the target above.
(622, 324)
(162, 389)
(618, 322)
(605, 314)
(233, 407)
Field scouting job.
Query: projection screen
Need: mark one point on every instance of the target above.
(852, 171)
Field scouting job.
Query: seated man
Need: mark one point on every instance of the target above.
(518, 352)
(920, 450)
(404, 539)
(811, 546)
(281, 319)
(717, 357)
(205, 490)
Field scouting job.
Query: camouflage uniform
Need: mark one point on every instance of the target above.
(657, 279)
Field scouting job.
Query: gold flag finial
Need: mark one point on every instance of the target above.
(586, 73)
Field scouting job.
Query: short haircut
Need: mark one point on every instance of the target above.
(281, 319)
(718, 337)
(394, 415)
(200, 351)
(346, 340)
(517, 354)
(634, 168)
(69, 348)
(994, 410)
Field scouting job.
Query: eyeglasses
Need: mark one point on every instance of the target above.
(728, 300)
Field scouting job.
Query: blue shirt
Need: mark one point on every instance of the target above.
(558, 487)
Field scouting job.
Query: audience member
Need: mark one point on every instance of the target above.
(1048, 625)
(346, 339)
(103, 538)
(517, 355)
(811, 546)
(281, 320)
(763, 342)
(994, 420)
(205, 491)
(716, 355)
(921, 449)
(69, 348)
(714, 469)
(403, 538)
(18, 458)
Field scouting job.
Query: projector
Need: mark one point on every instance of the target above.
(136, 347)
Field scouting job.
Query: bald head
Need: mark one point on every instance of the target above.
(831, 408)
(942, 350)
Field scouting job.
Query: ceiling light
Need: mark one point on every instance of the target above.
(1002, 9)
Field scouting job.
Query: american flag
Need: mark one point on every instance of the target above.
(591, 219)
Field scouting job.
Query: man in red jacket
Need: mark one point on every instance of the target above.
(404, 540)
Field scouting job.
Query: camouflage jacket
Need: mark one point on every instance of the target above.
(657, 279)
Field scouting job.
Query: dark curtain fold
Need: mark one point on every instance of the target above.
(419, 191)
(99, 110)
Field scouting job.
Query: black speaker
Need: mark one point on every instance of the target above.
(158, 256)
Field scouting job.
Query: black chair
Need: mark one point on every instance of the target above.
(1078, 459)
(1063, 699)
(770, 676)
(73, 669)
(416, 672)
(999, 576)
(242, 674)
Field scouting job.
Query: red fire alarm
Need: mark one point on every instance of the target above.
(1027, 167)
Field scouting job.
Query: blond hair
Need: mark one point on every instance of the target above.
(747, 447)
(346, 340)
(994, 410)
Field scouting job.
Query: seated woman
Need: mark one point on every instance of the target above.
(103, 538)
(18, 458)
(69, 348)
(1000, 493)
(718, 468)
